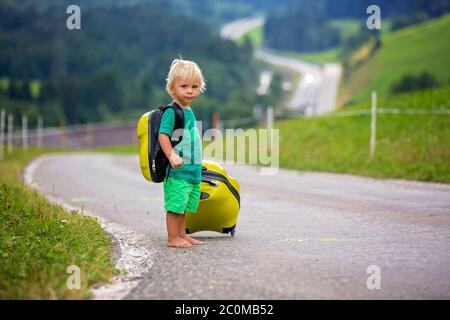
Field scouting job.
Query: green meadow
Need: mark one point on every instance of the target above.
(408, 146)
(412, 50)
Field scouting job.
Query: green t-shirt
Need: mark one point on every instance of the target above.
(190, 147)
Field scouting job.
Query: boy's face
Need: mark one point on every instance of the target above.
(185, 91)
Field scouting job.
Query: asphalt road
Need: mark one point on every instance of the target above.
(299, 235)
(236, 29)
(317, 89)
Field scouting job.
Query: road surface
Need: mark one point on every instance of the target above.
(299, 235)
(316, 92)
(234, 30)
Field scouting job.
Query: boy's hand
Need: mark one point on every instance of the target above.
(175, 160)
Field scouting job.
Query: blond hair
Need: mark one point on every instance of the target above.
(186, 70)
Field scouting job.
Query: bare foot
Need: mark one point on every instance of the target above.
(179, 243)
(192, 240)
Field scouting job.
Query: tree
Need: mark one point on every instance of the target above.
(410, 82)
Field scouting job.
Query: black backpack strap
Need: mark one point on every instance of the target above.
(179, 124)
(179, 121)
(179, 116)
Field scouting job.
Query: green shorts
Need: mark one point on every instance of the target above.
(181, 195)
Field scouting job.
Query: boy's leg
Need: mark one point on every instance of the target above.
(173, 236)
(172, 201)
(192, 205)
(182, 230)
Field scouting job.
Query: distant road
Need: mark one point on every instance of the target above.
(299, 235)
(317, 90)
(236, 29)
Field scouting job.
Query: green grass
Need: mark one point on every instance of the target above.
(412, 50)
(39, 241)
(348, 27)
(415, 147)
(122, 149)
(351, 27)
(4, 84)
(35, 86)
(256, 37)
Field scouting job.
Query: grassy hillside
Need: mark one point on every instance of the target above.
(407, 146)
(412, 50)
(39, 241)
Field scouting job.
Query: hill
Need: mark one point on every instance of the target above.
(409, 146)
(412, 50)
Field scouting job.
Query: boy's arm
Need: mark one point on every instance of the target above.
(174, 159)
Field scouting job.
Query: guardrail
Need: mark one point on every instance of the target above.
(74, 136)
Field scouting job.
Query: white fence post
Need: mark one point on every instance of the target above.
(24, 132)
(373, 124)
(10, 133)
(2, 133)
(40, 132)
(270, 126)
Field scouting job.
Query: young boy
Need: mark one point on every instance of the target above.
(182, 187)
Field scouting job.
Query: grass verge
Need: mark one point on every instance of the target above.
(408, 146)
(39, 241)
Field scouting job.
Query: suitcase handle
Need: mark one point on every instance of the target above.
(210, 182)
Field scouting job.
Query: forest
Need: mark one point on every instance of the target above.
(114, 66)
(307, 25)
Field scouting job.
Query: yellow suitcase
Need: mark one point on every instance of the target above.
(219, 205)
